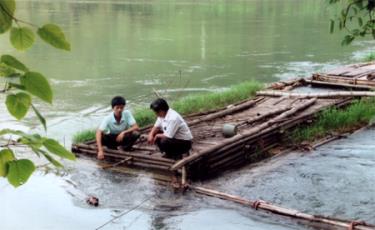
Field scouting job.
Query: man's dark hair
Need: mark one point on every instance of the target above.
(118, 100)
(159, 105)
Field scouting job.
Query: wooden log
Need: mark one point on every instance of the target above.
(262, 116)
(280, 210)
(222, 113)
(317, 95)
(248, 133)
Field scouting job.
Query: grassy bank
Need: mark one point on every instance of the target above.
(359, 113)
(369, 57)
(188, 105)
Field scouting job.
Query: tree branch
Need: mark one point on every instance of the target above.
(16, 19)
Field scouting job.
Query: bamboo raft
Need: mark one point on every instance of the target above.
(261, 123)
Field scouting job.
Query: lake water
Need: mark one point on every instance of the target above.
(183, 47)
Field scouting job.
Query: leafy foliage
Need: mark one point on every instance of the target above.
(7, 8)
(356, 17)
(21, 84)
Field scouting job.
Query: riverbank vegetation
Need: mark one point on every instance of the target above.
(190, 104)
(332, 120)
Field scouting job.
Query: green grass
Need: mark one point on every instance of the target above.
(335, 120)
(188, 105)
(369, 57)
(83, 136)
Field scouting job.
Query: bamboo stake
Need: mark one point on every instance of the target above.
(317, 95)
(238, 137)
(183, 176)
(118, 163)
(280, 210)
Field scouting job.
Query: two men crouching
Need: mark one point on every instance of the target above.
(120, 130)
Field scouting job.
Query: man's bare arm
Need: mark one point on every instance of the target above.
(99, 136)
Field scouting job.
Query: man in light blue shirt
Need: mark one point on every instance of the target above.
(118, 129)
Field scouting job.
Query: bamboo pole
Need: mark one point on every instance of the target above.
(116, 157)
(317, 95)
(238, 137)
(280, 210)
(222, 113)
(330, 78)
(117, 163)
(124, 153)
(262, 116)
(341, 85)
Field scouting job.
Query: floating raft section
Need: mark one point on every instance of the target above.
(262, 123)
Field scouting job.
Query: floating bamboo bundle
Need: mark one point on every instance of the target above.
(259, 204)
(339, 84)
(345, 80)
(334, 94)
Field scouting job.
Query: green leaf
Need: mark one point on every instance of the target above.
(53, 35)
(6, 155)
(19, 171)
(40, 117)
(51, 159)
(11, 131)
(37, 84)
(18, 104)
(7, 8)
(22, 38)
(57, 149)
(15, 85)
(34, 140)
(13, 62)
(6, 71)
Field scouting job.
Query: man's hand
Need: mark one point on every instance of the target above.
(150, 139)
(100, 154)
(121, 136)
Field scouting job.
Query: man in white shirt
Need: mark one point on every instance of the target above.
(119, 128)
(170, 132)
